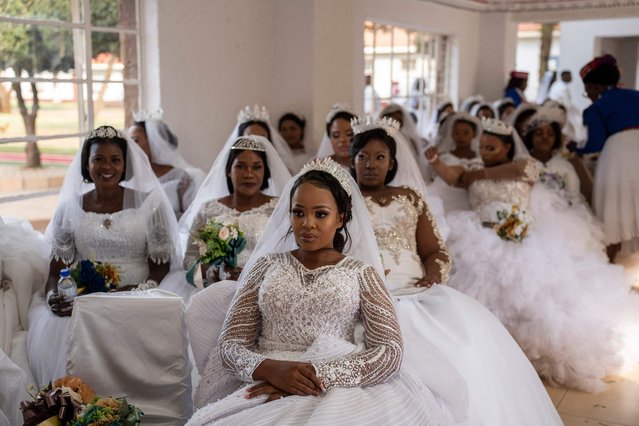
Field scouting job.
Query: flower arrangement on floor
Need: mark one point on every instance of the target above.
(219, 244)
(511, 225)
(71, 402)
(95, 277)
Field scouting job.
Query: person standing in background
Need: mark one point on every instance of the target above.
(516, 87)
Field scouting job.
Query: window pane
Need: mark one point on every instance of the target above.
(114, 103)
(51, 10)
(114, 56)
(113, 13)
(57, 112)
(32, 49)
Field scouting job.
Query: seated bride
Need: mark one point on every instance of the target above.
(312, 332)
(111, 211)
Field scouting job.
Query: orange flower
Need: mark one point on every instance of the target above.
(77, 385)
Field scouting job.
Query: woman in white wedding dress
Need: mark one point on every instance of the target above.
(312, 332)
(457, 145)
(111, 209)
(561, 305)
(452, 343)
(338, 134)
(178, 178)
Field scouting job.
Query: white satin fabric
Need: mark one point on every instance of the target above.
(134, 345)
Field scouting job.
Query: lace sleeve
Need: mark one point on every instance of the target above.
(383, 355)
(62, 242)
(531, 171)
(431, 245)
(239, 333)
(159, 242)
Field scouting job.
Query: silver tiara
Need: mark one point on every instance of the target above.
(332, 168)
(336, 109)
(388, 124)
(104, 132)
(257, 113)
(492, 125)
(144, 115)
(251, 143)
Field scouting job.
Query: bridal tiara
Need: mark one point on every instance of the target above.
(388, 124)
(257, 113)
(336, 109)
(332, 168)
(143, 115)
(104, 132)
(495, 126)
(250, 143)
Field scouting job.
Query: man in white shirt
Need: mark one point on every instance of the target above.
(560, 92)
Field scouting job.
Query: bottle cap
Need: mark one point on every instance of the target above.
(65, 273)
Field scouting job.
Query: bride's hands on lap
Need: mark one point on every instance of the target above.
(283, 378)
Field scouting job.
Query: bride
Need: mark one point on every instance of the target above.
(241, 187)
(560, 305)
(111, 209)
(451, 341)
(312, 331)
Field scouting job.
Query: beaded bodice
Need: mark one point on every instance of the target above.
(284, 308)
(487, 196)
(252, 222)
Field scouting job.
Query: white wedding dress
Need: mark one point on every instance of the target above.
(452, 343)
(179, 188)
(453, 198)
(288, 312)
(126, 239)
(561, 304)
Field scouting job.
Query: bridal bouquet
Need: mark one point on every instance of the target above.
(71, 402)
(511, 225)
(95, 277)
(219, 243)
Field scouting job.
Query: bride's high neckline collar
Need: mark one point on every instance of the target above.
(319, 268)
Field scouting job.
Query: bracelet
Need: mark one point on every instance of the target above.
(434, 159)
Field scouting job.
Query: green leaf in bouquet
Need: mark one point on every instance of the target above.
(240, 245)
(130, 415)
(190, 273)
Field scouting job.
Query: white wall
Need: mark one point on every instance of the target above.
(580, 41)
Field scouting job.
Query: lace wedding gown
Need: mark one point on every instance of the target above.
(559, 303)
(451, 342)
(126, 239)
(288, 312)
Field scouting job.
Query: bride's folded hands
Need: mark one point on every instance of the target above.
(295, 378)
(265, 388)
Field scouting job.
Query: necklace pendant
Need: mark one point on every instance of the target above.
(107, 223)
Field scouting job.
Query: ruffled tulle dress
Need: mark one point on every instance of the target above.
(452, 343)
(452, 197)
(560, 304)
(126, 239)
(341, 319)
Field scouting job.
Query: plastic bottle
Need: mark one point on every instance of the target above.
(66, 285)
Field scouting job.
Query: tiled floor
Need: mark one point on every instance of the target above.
(618, 405)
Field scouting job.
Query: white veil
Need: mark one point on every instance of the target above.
(444, 141)
(362, 245)
(475, 109)
(408, 127)
(260, 113)
(432, 127)
(326, 148)
(214, 185)
(466, 105)
(140, 183)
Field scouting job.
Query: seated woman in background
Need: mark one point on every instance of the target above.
(292, 127)
(179, 179)
(257, 121)
(312, 335)
(241, 187)
(561, 304)
(111, 209)
(482, 110)
(437, 322)
(338, 135)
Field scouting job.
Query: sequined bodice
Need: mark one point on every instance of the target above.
(251, 222)
(283, 308)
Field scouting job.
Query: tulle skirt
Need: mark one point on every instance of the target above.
(452, 197)
(456, 347)
(616, 188)
(561, 304)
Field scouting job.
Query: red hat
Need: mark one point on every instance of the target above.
(519, 74)
(596, 63)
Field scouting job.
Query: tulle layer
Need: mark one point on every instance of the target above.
(561, 304)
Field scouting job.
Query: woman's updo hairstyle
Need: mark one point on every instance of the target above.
(247, 124)
(344, 115)
(361, 139)
(102, 134)
(324, 180)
